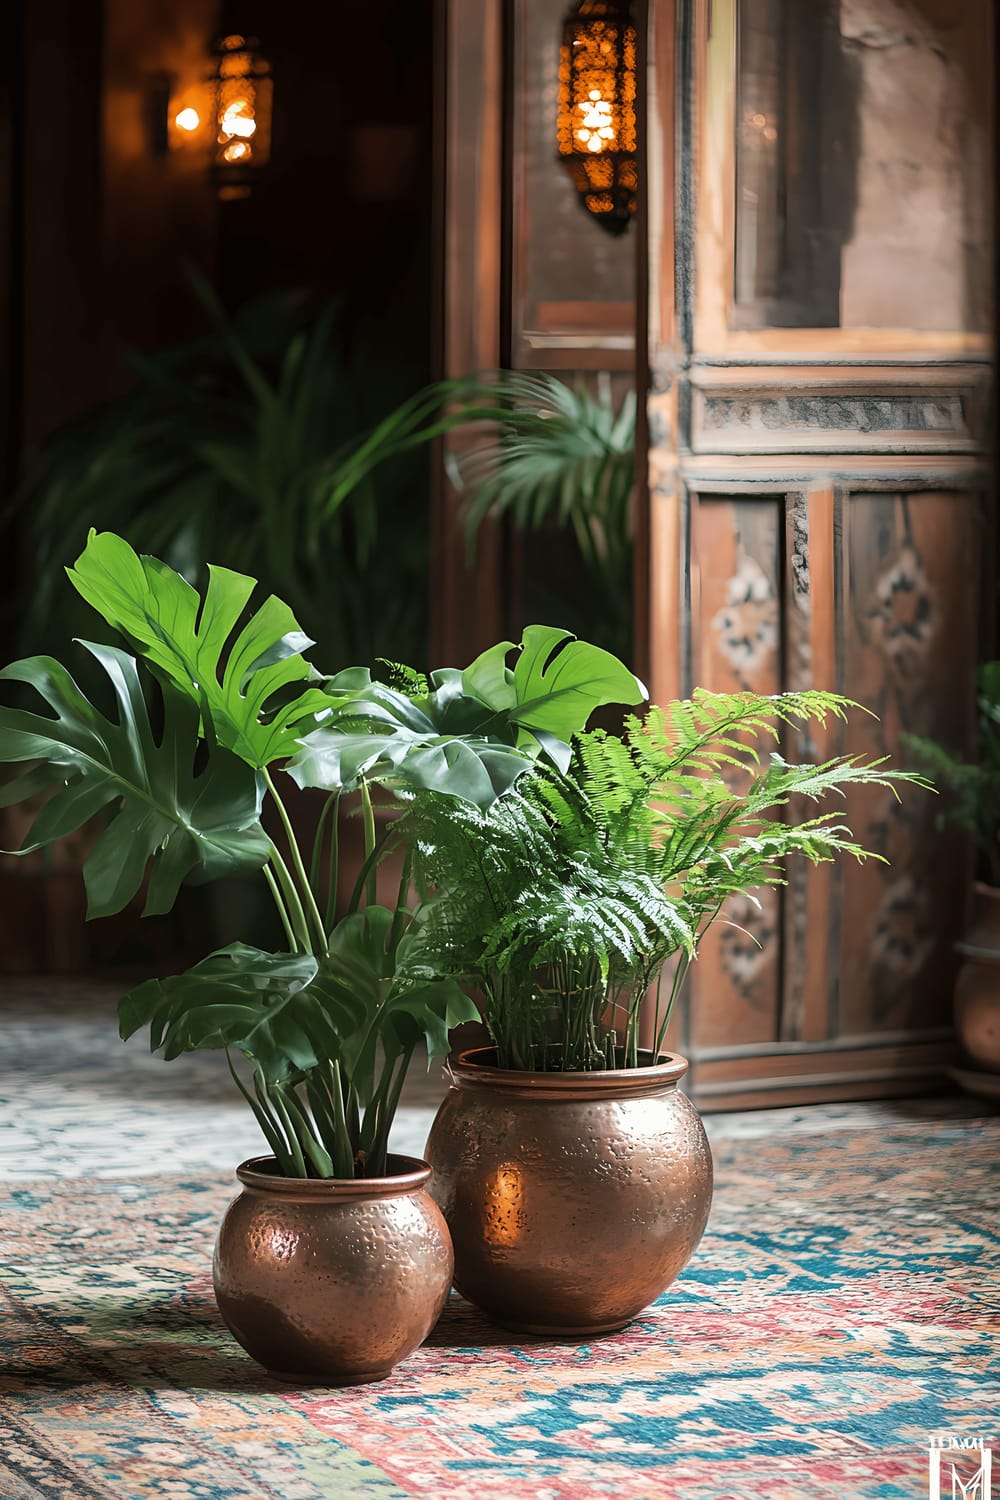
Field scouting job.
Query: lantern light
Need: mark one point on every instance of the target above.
(242, 112)
(596, 122)
(187, 119)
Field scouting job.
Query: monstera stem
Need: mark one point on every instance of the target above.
(296, 916)
(299, 867)
(275, 890)
(368, 813)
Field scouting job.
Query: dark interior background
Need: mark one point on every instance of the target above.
(101, 223)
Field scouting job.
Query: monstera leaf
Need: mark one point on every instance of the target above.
(556, 684)
(385, 735)
(186, 637)
(472, 733)
(268, 1006)
(167, 817)
(290, 1013)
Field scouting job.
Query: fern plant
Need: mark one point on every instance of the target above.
(971, 788)
(566, 900)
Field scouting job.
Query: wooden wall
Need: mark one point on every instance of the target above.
(820, 515)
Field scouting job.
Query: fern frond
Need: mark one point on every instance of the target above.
(592, 880)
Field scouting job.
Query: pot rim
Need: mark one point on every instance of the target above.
(617, 1083)
(414, 1174)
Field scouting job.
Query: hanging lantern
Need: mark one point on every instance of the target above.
(596, 126)
(242, 113)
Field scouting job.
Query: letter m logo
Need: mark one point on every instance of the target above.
(977, 1486)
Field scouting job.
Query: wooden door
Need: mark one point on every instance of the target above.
(819, 511)
(529, 281)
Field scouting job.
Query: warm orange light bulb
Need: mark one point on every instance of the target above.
(238, 119)
(187, 119)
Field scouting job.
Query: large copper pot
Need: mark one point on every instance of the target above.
(573, 1199)
(977, 990)
(332, 1282)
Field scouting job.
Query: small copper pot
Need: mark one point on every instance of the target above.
(977, 989)
(332, 1282)
(573, 1199)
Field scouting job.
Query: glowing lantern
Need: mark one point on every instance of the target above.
(596, 124)
(242, 112)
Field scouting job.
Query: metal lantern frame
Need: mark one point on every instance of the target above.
(241, 112)
(596, 129)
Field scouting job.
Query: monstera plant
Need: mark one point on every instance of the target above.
(215, 706)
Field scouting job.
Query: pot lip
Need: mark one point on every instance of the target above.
(654, 1078)
(413, 1174)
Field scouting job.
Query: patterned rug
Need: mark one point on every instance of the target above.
(841, 1310)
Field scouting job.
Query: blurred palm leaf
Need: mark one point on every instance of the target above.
(561, 457)
(230, 446)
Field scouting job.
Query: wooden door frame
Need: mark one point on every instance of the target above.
(467, 597)
(692, 364)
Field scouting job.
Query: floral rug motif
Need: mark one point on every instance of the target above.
(842, 1309)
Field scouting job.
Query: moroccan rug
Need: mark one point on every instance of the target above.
(841, 1311)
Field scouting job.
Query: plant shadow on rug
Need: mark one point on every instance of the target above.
(184, 1344)
(841, 1308)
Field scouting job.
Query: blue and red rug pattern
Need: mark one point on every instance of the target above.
(842, 1310)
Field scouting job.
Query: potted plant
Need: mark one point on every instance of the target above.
(972, 803)
(334, 1263)
(574, 1176)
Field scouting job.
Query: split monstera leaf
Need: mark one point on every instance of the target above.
(212, 700)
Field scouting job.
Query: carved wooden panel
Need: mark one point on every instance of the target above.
(816, 513)
(828, 411)
(736, 643)
(874, 595)
(908, 651)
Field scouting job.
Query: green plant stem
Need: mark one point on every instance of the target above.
(333, 866)
(344, 1155)
(306, 1133)
(400, 914)
(297, 862)
(679, 974)
(268, 1127)
(376, 1163)
(276, 1102)
(368, 813)
(287, 1154)
(282, 909)
(298, 922)
(317, 849)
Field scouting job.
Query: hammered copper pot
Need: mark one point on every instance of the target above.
(573, 1199)
(977, 989)
(332, 1282)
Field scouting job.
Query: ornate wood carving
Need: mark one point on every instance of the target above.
(818, 511)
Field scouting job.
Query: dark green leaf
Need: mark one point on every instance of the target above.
(166, 818)
(477, 731)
